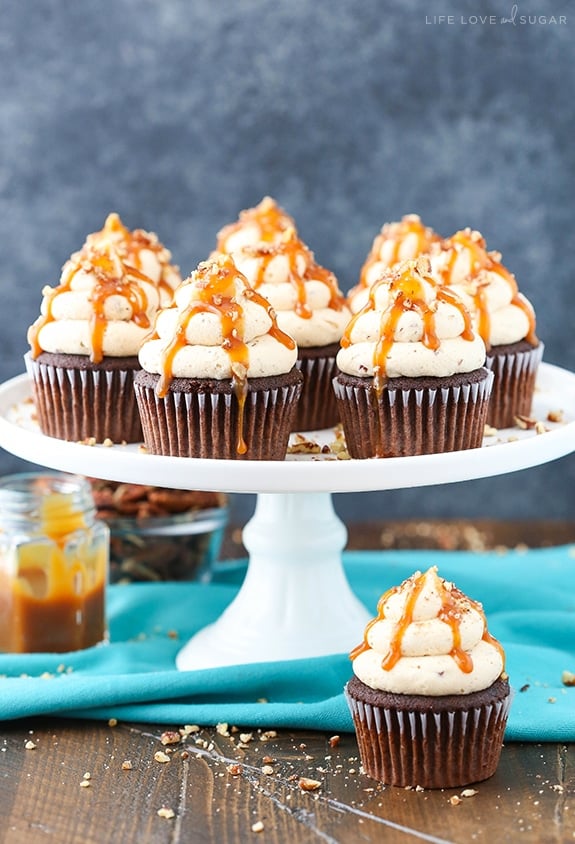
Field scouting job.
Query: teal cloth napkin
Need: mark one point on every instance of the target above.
(529, 599)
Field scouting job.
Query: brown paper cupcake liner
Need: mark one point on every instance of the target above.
(446, 749)
(317, 406)
(514, 383)
(82, 402)
(410, 421)
(210, 424)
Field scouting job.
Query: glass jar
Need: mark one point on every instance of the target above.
(53, 564)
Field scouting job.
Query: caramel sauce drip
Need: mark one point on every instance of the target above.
(112, 278)
(450, 614)
(271, 220)
(483, 261)
(216, 285)
(396, 233)
(292, 248)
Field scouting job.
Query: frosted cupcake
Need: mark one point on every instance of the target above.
(219, 376)
(412, 378)
(309, 307)
(84, 348)
(503, 317)
(429, 696)
(136, 248)
(396, 242)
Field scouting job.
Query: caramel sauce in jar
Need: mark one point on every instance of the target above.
(53, 565)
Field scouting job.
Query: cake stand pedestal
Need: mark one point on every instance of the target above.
(295, 601)
(295, 598)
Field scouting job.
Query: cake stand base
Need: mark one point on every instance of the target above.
(295, 600)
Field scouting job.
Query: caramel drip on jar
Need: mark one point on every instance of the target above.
(396, 233)
(108, 283)
(216, 285)
(483, 261)
(292, 248)
(270, 219)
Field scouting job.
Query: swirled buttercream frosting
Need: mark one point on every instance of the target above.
(218, 327)
(136, 248)
(404, 240)
(263, 224)
(305, 296)
(411, 326)
(500, 313)
(428, 638)
(102, 307)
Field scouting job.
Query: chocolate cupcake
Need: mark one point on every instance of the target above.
(430, 696)
(503, 317)
(412, 377)
(400, 241)
(84, 348)
(219, 378)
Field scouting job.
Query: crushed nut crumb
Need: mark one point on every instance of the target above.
(267, 770)
(170, 737)
(469, 792)
(567, 678)
(161, 757)
(307, 784)
(166, 813)
(257, 826)
(127, 765)
(30, 745)
(455, 800)
(334, 741)
(234, 769)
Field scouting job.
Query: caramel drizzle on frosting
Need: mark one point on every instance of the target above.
(130, 245)
(407, 290)
(112, 278)
(270, 219)
(292, 248)
(216, 283)
(452, 600)
(396, 233)
(481, 262)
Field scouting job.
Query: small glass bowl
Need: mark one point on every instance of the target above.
(183, 546)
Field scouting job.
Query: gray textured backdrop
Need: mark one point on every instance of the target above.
(178, 113)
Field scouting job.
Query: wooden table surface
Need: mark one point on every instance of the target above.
(80, 782)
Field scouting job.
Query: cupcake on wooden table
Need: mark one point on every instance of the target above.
(503, 317)
(412, 377)
(396, 242)
(137, 248)
(311, 308)
(84, 348)
(219, 376)
(429, 696)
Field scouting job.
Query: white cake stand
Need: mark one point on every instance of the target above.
(295, 600)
